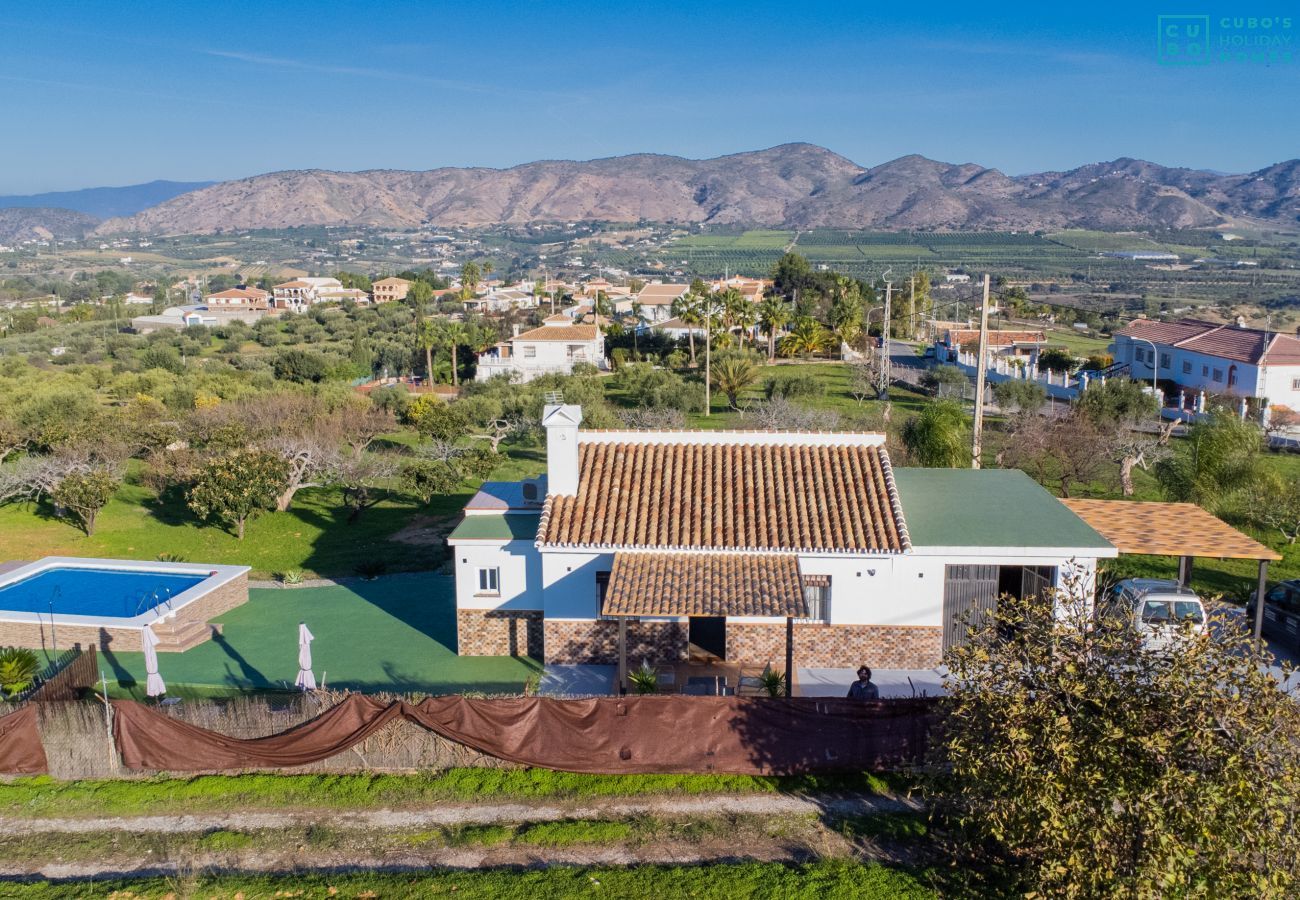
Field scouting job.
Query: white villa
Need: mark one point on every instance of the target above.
(300, 293)
(657, 300)
(554, 347)
(749, 547)
(1219, 359)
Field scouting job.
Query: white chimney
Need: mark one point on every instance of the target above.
(561, 423)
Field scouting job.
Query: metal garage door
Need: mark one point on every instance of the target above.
(970, 593)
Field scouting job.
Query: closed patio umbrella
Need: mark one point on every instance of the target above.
(306, 680)
(154, 685)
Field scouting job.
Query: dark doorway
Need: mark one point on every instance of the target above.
(708, 637)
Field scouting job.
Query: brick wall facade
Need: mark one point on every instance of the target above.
(499, 632)
(38, 636)
(838, 646)
(596, 642)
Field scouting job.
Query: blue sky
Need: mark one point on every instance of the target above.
(94, 93)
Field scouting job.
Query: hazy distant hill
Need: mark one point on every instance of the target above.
(107, 202)
(43, 224)
(796, 185)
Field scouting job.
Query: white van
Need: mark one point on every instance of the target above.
(1157, 609)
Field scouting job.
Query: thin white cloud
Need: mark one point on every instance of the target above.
(363, 72)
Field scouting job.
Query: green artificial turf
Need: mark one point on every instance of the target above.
(393, 634)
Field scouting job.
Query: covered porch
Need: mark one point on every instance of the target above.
(1182, 530)
(707, 589)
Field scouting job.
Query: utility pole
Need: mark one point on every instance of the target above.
(708, 343)
(882, 389)
(976, 445)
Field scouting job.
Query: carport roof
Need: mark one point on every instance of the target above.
(1168, 529)
(988, 508)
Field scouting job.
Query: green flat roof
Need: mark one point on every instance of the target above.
(496, 528)
(987, 508)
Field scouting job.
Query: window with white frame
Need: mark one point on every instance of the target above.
(817, 594)
(489, 581)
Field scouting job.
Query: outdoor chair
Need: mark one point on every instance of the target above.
(752, 684)
(665, 677)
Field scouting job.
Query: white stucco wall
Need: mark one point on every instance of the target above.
(904, 589)
(520, 579)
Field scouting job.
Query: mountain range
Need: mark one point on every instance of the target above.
(793, 185)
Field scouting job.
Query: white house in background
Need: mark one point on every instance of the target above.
(657, 300)
(1218, 359)
(678, 330)
(502, 300)
(739, 545)
(134, 299)
(300, 293)
(553, 348)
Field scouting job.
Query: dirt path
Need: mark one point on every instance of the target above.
(467, 814)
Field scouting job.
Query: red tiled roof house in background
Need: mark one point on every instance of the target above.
(719, 541)
(1231, 360)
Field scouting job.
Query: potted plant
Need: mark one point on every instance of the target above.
(644, 679)
(773, 682)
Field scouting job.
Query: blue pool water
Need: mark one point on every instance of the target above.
(121, 593)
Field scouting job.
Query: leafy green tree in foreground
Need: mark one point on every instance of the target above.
(18, 669)
(1098, 769)
(939, 437)
(238, 486)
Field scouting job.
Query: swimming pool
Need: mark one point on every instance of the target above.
(61, 600)
(119, 593)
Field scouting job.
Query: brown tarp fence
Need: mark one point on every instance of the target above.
(21, 750)
(632, 735)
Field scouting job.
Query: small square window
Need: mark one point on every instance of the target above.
(1187, 368)
(1295, 384)
(1218, 374)
(1205, 370)
(817, 594)
(489, 581)
(529, 352)
(1164, 360)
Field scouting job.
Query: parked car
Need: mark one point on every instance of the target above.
(1281, 613)
(1155, 608)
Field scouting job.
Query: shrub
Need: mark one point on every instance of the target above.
(793, 385)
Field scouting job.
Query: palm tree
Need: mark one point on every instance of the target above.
(807, 336)
(426, 338)
(733, 373)
(451, 335)
(773, 315)
(737, 311)
(488, 268)
(690, 308)
(639, 321)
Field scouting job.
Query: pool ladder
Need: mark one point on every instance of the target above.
(149, 600)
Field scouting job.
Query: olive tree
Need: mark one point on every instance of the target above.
(1096, 768)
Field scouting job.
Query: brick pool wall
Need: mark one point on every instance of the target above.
(39, 636)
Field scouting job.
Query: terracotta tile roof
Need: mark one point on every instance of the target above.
(293, 284)
(756, 491)
(240, 294)
(705, 584)
(559, 333)
(661, 294)
(1167, 529)
(392, 280)
(959, 336)
(1248, 345)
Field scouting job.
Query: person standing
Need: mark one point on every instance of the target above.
(863, 689)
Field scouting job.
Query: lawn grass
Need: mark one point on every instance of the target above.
(392, 634)
(313, 536)
(42, 796)
(822, 880)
